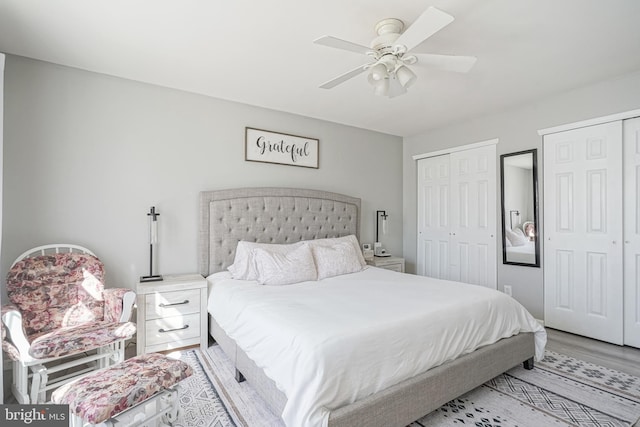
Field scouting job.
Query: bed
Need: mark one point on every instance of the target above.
(525, 254)
(286, 216)
(519, 246)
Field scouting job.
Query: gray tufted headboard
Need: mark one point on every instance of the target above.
(269, 215)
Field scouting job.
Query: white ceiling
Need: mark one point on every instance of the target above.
(261, 52)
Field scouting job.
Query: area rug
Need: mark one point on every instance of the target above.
(559, 391)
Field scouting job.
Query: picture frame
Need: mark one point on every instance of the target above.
(280, 148)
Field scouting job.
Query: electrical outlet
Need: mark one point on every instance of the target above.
(507, 290)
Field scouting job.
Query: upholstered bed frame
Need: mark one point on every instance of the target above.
(288, 215)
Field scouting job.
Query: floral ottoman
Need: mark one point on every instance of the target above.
(138, 390)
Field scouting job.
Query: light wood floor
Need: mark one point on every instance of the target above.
(621, 358)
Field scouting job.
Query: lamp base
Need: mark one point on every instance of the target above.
(156, 278)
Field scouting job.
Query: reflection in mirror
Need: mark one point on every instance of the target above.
(519, 181)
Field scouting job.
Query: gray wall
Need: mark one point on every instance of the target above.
(517, 130)
(86, 155)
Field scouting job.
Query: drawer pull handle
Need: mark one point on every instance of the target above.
(163, 330)
(163, 305)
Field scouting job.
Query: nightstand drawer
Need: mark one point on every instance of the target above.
(388, 263)
(393, 267)
(167, 304)
(172, 329)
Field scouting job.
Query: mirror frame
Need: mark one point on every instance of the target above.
(534, 170)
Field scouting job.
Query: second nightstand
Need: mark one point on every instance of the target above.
(172, 313)
(388, 263)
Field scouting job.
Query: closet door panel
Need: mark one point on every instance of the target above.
(457, 216)
(583, 222)
(433, 217)
(474, 216)
(632, 232)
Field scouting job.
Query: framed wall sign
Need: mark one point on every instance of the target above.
(280, 148)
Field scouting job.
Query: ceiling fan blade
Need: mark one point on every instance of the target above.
(344, 77)
(430, 22)
(341, 44)
(458, 64)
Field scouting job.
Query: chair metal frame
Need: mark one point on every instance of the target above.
(27, 367)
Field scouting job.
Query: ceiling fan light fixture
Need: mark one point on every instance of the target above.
(391, 55)
(381, 87)
(405, 76)
(395, 88)
(378, 72)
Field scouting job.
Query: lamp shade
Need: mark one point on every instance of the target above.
(395, 88)
(405, 76)
(381, 87)
(378, 72)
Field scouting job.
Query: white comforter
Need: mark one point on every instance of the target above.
(331, 342)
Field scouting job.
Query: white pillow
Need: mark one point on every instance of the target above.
(243, 267)
(516, 237)
(284, 268)
(350, 239)
(507, 243)
(340, 258)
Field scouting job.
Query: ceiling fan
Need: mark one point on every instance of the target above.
(390, 55)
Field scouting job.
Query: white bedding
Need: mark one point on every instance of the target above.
(525, 253)
(331, 342)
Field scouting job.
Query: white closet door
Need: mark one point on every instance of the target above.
(474, 216)
(632, 232)
(583, 283)
(433, 217)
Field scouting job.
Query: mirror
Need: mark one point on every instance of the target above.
(519, 183)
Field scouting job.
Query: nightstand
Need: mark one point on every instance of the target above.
(172, 313)
(388, 263)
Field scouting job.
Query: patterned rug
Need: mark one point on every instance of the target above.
(559, 391)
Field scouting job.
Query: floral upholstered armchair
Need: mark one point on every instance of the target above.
(61, 319)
